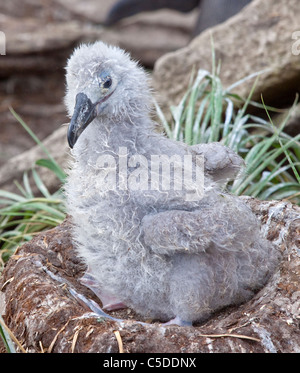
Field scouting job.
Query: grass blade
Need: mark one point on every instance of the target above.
(279, 140)
(48, 163)
(33, 136)
(39, 183)
(8, 343)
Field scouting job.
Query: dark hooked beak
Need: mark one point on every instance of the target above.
(84, 113)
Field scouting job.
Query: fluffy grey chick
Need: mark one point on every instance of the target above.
(168, 251)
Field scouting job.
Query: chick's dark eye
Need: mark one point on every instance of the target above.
(107, 83)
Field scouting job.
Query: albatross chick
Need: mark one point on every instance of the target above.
(151, 218)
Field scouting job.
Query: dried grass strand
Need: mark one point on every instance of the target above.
(75, 337)
(119, 340)
(12, 336)
(56, 336)
(230, 335)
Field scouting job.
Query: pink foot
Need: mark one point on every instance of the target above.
(109, 302)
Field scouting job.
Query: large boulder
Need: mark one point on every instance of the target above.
(262, 36)
(37, 304)
(15, 167)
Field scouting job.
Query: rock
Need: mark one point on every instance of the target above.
(147, 36)
(41, 47)
(40, 38)
(14, 168)
(43, 43)
(41, 312)
(257, 38)
(211, 12)
(93, 10)
(292, 126)
(32, 79)
(126, 8)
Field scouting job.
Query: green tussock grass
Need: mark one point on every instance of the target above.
(207, 113)
(22, 214)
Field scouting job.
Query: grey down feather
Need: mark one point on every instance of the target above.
(167, 252)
